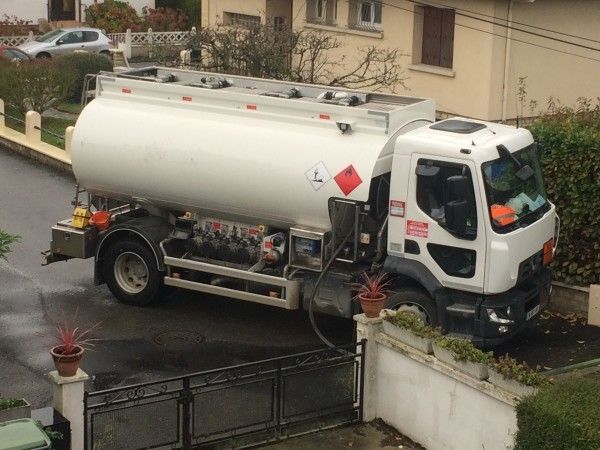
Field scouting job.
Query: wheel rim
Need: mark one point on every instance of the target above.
(131, 272)
(416, 309)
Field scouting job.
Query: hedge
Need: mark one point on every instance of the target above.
(569, 142)
(561, 416)
(80, 64)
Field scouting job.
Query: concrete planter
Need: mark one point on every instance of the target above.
(19, 412)
(408, 337)
(510, 385)
(476, 370)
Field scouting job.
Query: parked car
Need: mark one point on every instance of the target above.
(13, 54)
(67, 40)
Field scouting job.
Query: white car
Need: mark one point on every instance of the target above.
(67, 40)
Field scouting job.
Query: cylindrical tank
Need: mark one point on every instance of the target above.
(263, 169)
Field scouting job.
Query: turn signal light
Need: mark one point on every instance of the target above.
(548, 252)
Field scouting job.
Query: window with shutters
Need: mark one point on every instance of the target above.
(321, 11)
(437, 40)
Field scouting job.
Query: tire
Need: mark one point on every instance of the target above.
(414, 300)
(105, 53)
(129, 268)
(43, 55)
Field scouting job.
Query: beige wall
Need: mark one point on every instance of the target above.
(480, 84)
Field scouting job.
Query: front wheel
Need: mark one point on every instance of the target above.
(130, 271)
(415, 301)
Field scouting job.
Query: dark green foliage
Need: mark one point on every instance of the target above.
(464, 350)
(510, 368)
(561, 416)
(410, 321)
(8, 403)
(5, 241)
(79, 65)
(569, 142)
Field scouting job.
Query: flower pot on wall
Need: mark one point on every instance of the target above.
(16, 412)
(508, 384)
(66, 364)
(372, 306)
(408, 337)
(476, 370)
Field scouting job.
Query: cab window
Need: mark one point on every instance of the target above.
(435, 191)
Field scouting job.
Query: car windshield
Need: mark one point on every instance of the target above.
(514, 191)
(50, 36)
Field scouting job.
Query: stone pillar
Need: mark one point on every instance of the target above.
(68, 141)
(367, 329)
(594, 305)
(33, 127)
(68, 400)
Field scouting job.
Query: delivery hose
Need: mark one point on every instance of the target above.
(311, 313)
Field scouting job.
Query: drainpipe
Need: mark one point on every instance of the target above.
(507, 59)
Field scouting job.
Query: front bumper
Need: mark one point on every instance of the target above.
(494, 319)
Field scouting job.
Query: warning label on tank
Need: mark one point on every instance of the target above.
(318, 175)
(397, 208)
(348, 180)
(419, 229)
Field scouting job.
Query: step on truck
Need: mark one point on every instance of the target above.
(250, 189)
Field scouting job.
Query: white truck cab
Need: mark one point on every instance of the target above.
(283, 194)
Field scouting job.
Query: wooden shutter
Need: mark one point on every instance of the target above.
(447, 38)
(432, 26)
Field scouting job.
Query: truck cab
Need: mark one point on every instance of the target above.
(470, 219)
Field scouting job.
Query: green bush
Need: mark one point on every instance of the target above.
(113, 16)
(8, 403)
(464, 350)
(5, 242)
(33, 86)
(79, 65)
(511, 369)
(569, 141)
(561, 416)
(410, 321)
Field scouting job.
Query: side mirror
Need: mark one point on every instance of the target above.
(457, 213)
(458, 187)
(60, 42)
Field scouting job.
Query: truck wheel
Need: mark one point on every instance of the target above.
(415, 301)
(130, 271)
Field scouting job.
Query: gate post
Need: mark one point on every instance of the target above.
(367, 329)
(68, 400)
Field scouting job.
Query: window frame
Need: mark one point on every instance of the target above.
(372, 5)
(437, 50)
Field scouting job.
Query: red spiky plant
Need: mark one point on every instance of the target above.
(70, 337)
(372, 286)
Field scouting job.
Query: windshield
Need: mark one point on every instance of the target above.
(514, 192)
(50, 36)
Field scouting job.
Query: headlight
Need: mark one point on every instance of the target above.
(499, 315)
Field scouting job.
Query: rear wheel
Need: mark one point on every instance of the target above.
(129, 268)
(43, 55)
(415, 301)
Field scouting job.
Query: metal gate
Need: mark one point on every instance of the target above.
(245, 404)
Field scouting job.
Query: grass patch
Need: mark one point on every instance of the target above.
(73, 108)
(51, 124)
(560, 416)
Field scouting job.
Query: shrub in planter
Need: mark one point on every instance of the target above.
(562, 415)
(463, 355)
(372, 292)
(79, 65)
(14, 408)
(410, 329)
(513, 377)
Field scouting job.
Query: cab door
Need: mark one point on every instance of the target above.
(444, 221)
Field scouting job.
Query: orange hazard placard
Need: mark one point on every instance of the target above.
(419, 229)
(348, 179)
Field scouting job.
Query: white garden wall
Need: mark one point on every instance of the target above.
(430, 402)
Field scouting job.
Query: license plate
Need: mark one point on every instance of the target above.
(532, 312)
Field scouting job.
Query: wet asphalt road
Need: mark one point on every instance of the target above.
(188, 332)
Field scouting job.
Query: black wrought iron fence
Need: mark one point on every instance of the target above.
(245, 404)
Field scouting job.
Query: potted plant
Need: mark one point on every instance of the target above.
(407, 327)
(464, 356)
(372, 292)
(14, 408)
(72, 343)
(518, 379)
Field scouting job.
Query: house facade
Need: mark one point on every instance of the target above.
(57, 11)
(487, 59)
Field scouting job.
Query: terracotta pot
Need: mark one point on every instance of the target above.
(372, 306)
(66, 365)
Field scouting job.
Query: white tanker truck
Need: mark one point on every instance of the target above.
(252, 189)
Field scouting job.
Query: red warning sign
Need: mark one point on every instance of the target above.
(397, 208)
(348, 179)
(418, 229)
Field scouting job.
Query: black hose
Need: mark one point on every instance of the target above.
(311, 314)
